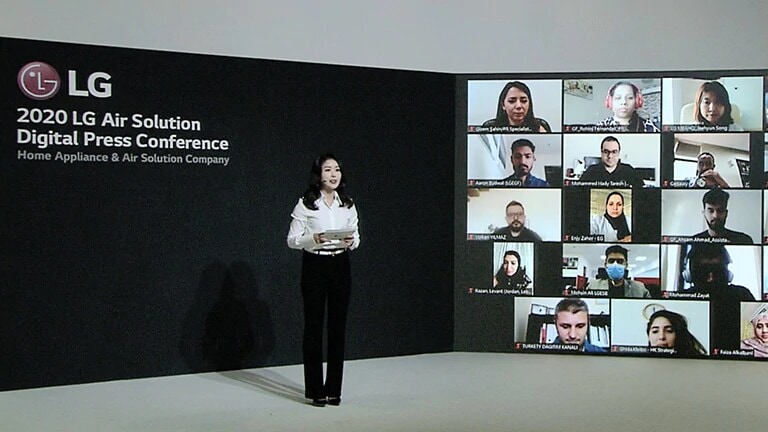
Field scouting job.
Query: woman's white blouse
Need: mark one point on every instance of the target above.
(306, 222)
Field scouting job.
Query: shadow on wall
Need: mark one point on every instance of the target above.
(228, 327)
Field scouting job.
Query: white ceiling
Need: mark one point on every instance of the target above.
(452, 36)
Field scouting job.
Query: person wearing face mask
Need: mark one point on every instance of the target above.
(759, 342)
(706, 270)
(618, 284)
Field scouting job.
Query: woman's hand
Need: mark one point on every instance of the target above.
(319, 238)
(348, 241)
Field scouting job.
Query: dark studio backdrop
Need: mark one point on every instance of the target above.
(126, 269)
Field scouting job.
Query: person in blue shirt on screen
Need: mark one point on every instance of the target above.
(572, 323)
(523, 157)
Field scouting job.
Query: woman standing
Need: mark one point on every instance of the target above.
(324, 224)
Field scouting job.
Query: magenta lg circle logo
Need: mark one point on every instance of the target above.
(38, 80)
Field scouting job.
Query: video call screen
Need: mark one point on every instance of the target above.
(614, 215)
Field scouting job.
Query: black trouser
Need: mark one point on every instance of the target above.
(324, 277)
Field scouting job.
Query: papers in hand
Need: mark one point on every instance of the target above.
(338, 234)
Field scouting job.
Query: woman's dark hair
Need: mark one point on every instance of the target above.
(721, 94)
(516, 255)
(519, 279)
(530, 120)
(686, 344)
(635, 122)
(314, 184)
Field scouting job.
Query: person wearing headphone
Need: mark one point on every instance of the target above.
(618, 284)
(624, 99)
(706, 176)
(715, 211)
(705, 269)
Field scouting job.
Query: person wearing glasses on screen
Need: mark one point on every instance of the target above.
(706, 176)
(712, 107)
(611, 169)
(614, 225)
(667, 329)
(516, 229)
(715, 211)
(618, 284)
(523, 157)
(511, 274)
(759, 342)
(624, 99)
(515, 108)
(572, 324)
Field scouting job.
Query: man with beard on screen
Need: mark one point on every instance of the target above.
(516, 229)
(715, 213)
(611, 169)
(706, 269)
(523, 157)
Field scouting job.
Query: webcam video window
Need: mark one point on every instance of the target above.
(724, 104)
(612, 106)
(513, 106)
(514, 161)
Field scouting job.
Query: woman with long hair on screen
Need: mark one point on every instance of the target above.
(324, 225)
(667, 329)
(624, 99)
(759, 342)
(613, 223)
(511, 274)
(515, 108)
(712, 107)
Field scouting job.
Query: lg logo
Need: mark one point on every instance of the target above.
(40, 81)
